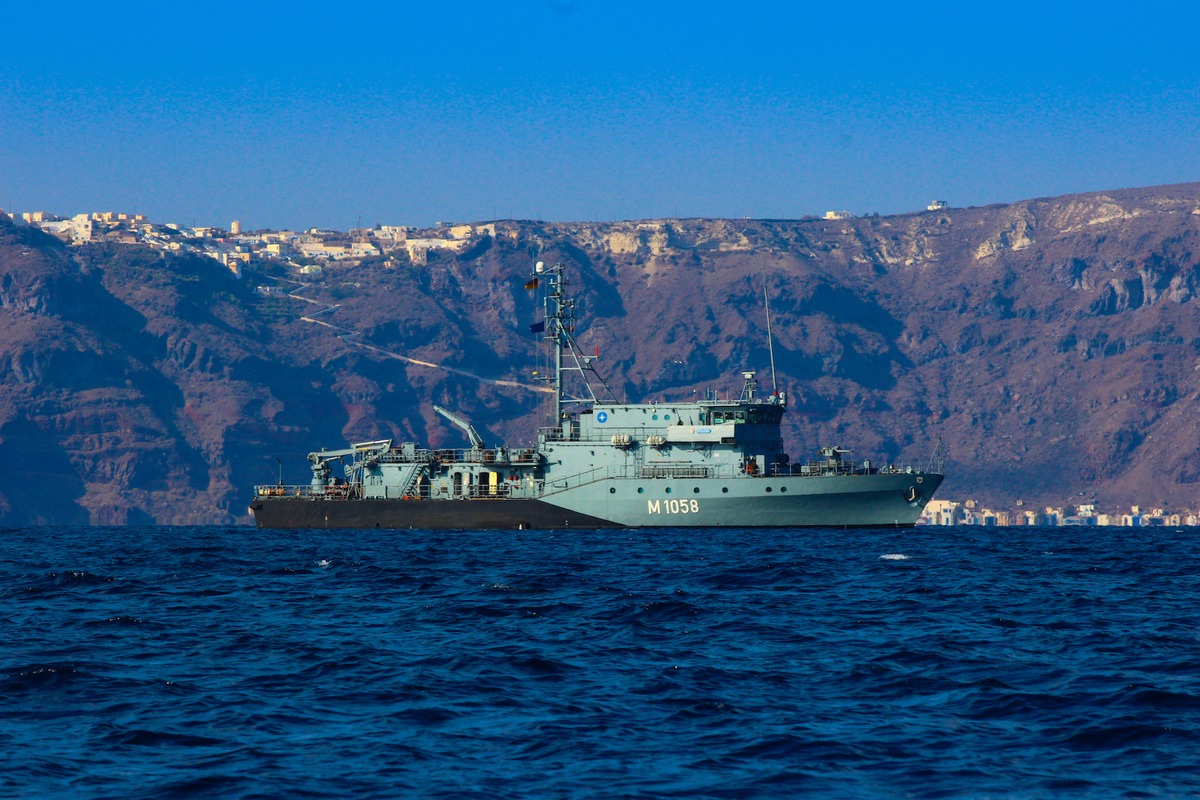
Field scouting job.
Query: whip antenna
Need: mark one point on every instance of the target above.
(770, 341)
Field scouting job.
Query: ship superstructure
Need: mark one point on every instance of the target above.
(701, 463)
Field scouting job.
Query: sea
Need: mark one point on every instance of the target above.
(231, 662)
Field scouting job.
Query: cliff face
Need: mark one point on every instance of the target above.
(1053, 345)
(130, 388)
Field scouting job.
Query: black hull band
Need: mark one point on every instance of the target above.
(477, 514)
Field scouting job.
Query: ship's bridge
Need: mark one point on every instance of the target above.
(741, 413)
(705, 422)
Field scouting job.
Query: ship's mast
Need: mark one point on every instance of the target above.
(563, 317)
(560, 331)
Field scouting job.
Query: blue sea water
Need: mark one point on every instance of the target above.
(237, 663)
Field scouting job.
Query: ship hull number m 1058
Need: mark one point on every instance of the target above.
(672, 506)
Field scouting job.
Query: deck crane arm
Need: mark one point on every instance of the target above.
(472, 434)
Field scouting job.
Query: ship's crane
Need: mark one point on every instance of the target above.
(472, 434)
(362, 452)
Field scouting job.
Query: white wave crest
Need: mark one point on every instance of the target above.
(894, 557)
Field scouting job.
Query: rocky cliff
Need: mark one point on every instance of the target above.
(1053, 345)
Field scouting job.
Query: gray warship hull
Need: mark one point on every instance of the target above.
(845, 501)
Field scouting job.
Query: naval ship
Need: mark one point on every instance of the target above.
(705, 463)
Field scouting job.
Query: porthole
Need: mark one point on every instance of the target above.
(724, 490)
(782, 488)
(612, 490)
(768, 490)
(695, 490)
(654, 416)
(640, 490)
(666, 416)
(668, 490)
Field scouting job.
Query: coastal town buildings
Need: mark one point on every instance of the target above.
(235, 248)
(969, 512)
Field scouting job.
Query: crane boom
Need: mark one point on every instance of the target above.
(472, 434)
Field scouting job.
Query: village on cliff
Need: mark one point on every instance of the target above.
(306, 251)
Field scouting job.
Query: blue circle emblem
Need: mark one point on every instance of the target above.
(602, 417)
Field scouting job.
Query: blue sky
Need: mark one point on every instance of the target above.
(299, 114)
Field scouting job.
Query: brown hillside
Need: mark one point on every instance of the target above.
(1052, 344)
